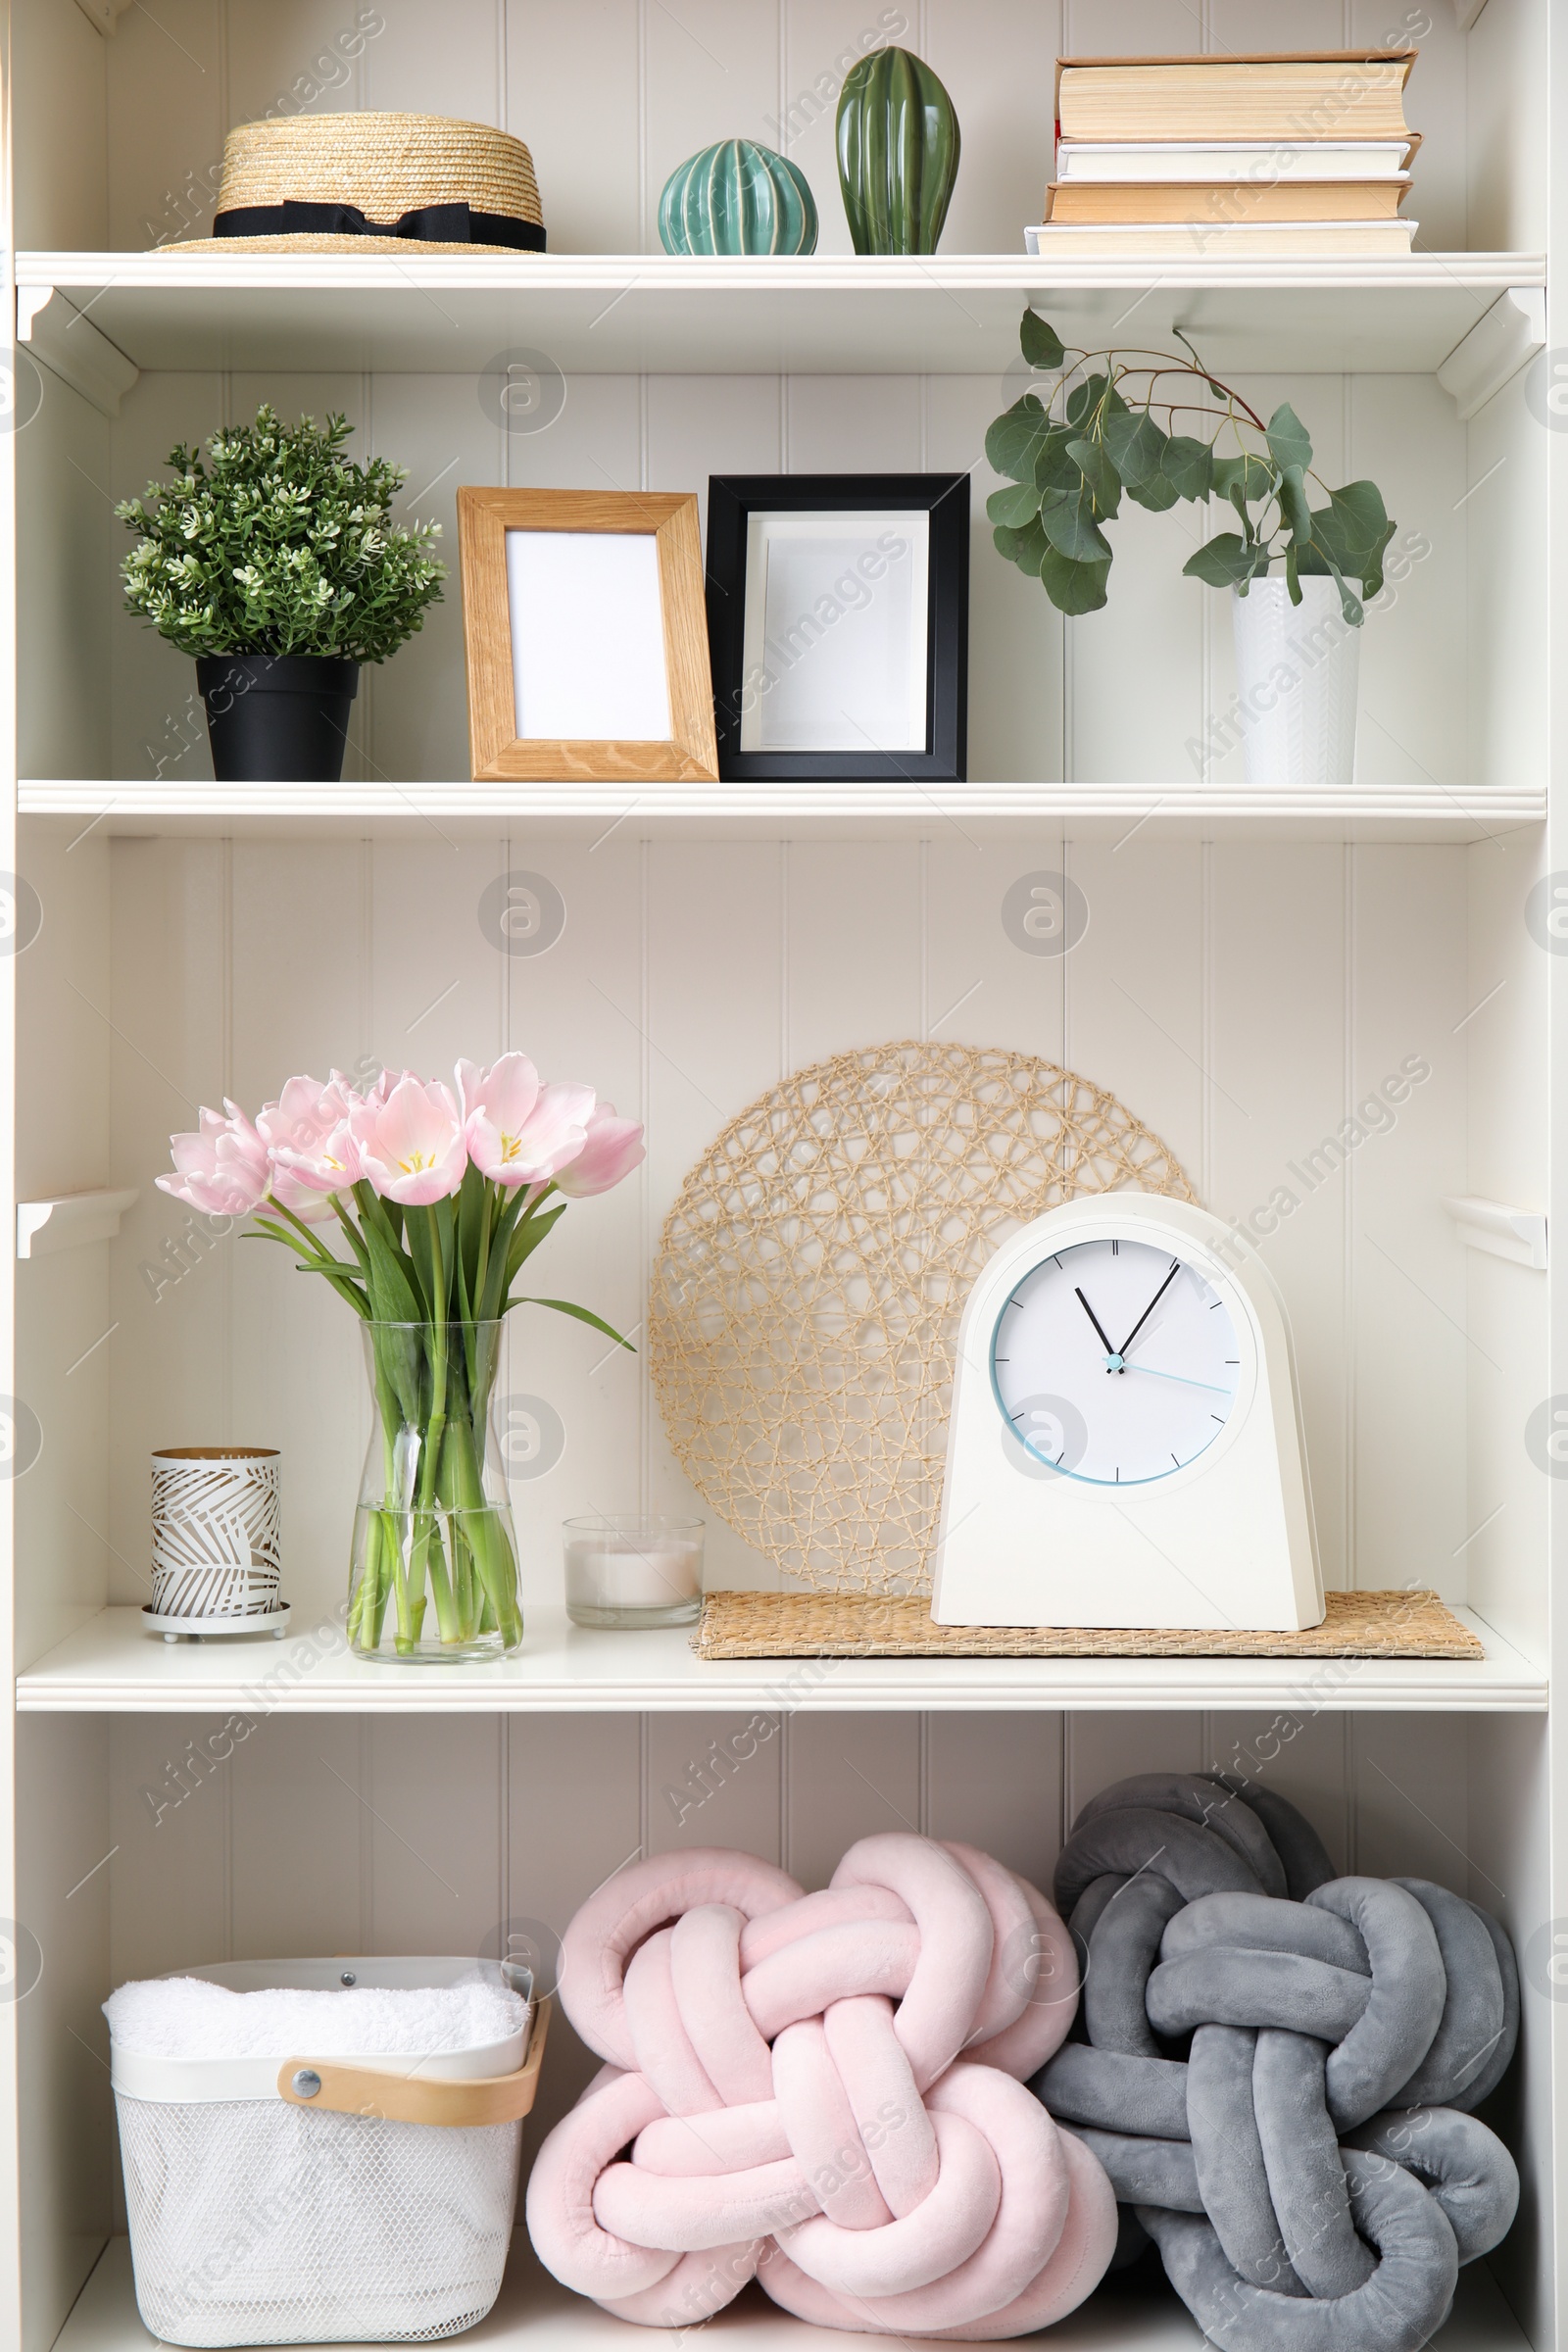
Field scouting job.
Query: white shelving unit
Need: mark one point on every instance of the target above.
(1252, 968)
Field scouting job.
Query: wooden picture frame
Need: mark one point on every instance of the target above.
(842, 660)
(577, 598)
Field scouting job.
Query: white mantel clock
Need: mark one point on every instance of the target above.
(1125, 1446)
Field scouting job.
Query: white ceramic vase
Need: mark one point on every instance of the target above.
(1297, 668)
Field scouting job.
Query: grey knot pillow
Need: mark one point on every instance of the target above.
(1276, 2067)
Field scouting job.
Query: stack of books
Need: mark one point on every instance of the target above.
(1257, 156)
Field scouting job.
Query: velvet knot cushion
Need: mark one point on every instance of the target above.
(1276, 2067)
(823, 2091)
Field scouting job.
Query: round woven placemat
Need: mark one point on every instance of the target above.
(804, 1303)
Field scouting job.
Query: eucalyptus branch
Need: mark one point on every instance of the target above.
(1068, 452)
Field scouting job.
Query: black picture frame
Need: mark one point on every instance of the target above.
(732, 500)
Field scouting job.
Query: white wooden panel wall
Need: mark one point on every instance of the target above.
(613, 94)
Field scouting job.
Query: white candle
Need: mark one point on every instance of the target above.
(614, 1572)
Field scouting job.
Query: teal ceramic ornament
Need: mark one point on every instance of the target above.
(897, 141)
(737, 198)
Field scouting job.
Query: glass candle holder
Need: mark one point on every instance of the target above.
(630, 1570)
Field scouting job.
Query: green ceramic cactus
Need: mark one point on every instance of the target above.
(737, 198)
(898, 140)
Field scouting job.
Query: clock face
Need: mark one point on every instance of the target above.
(1115, 1362)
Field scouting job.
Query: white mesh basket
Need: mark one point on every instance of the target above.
(263, 2212)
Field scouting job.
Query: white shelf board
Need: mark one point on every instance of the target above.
(894, 809)
(1140, 2317)
(820, 314)
(111, 1665)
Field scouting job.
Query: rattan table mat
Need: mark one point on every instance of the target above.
(845, 1625)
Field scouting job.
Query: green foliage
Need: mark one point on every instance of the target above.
(282, 546)
(1071, 448)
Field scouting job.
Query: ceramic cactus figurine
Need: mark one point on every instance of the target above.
(737, 198)
(898, 139)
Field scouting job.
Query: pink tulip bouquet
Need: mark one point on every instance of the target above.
(442, 1199)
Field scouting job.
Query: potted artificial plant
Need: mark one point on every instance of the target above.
(1105, 423)
(278, 566)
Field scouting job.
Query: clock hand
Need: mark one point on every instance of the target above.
(1185, 1378)
(1113, 1359)
(1150, 1309)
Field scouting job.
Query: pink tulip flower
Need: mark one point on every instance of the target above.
(306, 1134)
(222, 1169)
(615, 1147)
(517, 1131)
(376, 1092)
(409, 1147)
(297, 1130)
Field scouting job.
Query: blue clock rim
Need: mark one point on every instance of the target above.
(1110, 1485)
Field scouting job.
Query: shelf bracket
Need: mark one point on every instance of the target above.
(68, 1221)
(105, 13)
(1516, 1234)
(66, 342)
(1501, 341)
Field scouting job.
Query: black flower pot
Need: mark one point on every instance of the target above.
(277, 719)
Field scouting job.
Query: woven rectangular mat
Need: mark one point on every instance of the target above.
(847, 1625)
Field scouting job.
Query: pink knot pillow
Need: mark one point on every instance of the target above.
(823, 2091)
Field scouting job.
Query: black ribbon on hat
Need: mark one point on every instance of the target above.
(431, 223)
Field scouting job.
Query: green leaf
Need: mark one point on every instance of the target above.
(1041, 344)
(1250, 474)
(1015, 505)
(1350, 535)
(1098, 473)
(1136, 446)
(1073, 587)
(1069, 521)
(1012, 443)
(1055, 467)
(528, 1236)
(1288, 443)
(1293, 582)
(1372, 564)
(1293, 505)
(1025, 548)
(392, 1292)
(1085, 398)
(1156, 495)
(563, 1306)
(1226, 561)
(1188, 466)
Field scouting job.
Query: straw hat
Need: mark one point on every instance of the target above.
(373, 183)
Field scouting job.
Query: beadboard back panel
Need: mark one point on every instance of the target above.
(611, 95)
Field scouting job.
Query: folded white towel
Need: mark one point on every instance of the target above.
(183, 2017)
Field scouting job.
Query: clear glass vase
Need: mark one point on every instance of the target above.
(434, 1575)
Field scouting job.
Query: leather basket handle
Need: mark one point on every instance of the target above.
(348, 2088)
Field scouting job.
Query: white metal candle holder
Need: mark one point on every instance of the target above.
(217, 1542)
